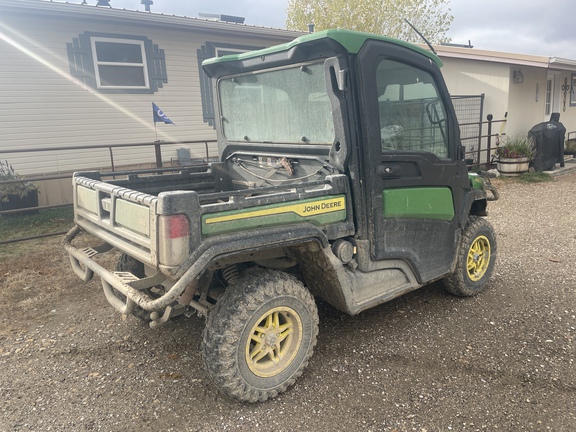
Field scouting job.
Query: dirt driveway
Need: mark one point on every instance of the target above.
(504, 360)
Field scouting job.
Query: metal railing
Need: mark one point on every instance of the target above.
(487, 143)
(156, 145)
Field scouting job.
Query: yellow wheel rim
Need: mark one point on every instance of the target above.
(274, 341)
(478, 258)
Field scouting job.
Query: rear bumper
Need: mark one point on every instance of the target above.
(133, 288)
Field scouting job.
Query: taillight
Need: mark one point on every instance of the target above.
(178, 226)
(173, 239)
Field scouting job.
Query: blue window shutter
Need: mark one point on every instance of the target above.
(156, 66)
(80, 60)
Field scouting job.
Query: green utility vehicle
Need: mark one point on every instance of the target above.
(341, 176)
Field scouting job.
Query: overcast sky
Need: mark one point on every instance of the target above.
(526, 26)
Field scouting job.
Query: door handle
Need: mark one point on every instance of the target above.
(390, 171)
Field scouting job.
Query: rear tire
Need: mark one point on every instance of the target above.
(476, 259)
(260, 335)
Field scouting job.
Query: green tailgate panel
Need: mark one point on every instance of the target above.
(87, 199)
(419, 203)
(133, 216)
(319, 211)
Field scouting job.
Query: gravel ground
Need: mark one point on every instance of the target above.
(503, 360)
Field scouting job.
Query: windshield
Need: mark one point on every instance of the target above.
(278, 106)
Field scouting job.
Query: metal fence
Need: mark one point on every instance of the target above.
(477, 134)
(154, 148)
(469, 111)
(485, 144)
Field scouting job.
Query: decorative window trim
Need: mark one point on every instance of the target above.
(549, 96)
(209, 50)
(83, 62)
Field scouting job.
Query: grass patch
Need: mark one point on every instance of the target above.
(535, 177)
(29, 225)
(44, 222)
(528, 177)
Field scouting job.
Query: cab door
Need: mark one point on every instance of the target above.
(415, 178)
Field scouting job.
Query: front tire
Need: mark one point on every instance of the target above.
(260, 335)
(476, 259)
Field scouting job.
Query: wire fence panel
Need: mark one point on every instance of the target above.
(469, 112)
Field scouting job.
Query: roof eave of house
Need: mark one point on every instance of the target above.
(493, 56)
(551, 63)
(558, 63)
(63, 9)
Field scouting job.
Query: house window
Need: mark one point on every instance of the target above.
(116, 63)
(119, 63)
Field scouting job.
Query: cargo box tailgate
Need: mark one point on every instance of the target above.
(122, 217)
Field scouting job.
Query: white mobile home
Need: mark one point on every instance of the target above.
(82, 75)
(529, 88)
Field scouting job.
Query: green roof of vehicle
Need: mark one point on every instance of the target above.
(352, 41)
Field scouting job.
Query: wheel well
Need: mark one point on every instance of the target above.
(478, 207)
(226, 270)
(308, 262)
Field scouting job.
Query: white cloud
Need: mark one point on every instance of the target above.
(527, 27)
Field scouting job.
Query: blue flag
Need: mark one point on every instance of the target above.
(159, 115)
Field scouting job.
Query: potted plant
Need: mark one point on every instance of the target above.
(15, 195)
(514, 155)
(570, 147)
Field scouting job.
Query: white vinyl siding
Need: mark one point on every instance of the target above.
(42, 105)
(465, 77)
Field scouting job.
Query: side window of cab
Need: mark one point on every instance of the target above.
(412, 114)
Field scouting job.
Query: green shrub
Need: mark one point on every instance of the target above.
(20, 189)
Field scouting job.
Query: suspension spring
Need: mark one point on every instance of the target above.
(231, 274)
